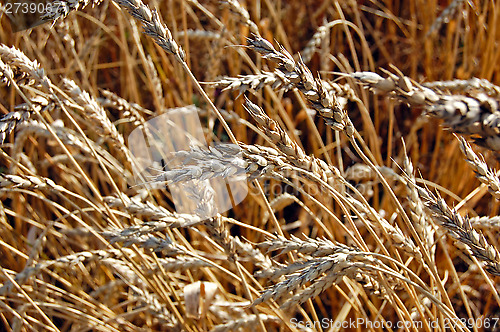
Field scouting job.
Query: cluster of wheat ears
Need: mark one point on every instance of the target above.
(361, 127)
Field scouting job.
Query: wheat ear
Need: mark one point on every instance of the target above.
(477, 115)
(461, 229)
(324, 102)
(471, 86)
(484, 174)
(445, 16)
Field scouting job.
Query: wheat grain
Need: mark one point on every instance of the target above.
(95, 112)
(154, 226)
(314, 90)
(331, 278)
(242, 14)
(165, 246)
(122, 269)
(248, 321)
(346, 262)
(28, 182)
(485, 222)
(155, 307)
(21, 68)
(181, 263)
(155, 81)
(417, 207)
(477, 115)
(289, 147)
(247, 250)
(153, 27)
(276, 80)
(10, 121)
(223, 161)
(201, 164)
(397, 86)
(133, 110)
(6, 73)
(461, 229)
(452, 9)
(471, 86)
(483, 172)
(164, 218)
(218, 230)
(398, 238)
(278, 270)
(313, 247)
(15, 66)
(308, 272)
(316, 40)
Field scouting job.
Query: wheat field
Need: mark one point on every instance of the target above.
(366, 135)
